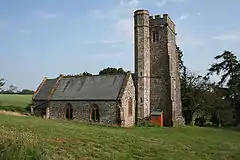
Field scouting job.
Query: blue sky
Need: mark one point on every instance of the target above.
(50, 37)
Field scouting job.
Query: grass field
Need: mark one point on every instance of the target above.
(36, 138)
(56, 139)
(15, 100)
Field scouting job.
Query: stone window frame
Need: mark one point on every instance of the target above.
(155, 36)
(94, 107)
(70, 107)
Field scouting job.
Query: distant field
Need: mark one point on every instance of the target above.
(15, 100)
(30, 137)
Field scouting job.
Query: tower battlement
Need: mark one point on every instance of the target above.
(161, 20)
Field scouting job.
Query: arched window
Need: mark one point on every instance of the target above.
(68, 111)
(94, 113)
(130, 106)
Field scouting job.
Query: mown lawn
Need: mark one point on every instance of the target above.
(15, 100)
(56, 139)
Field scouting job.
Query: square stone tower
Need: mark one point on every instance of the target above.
(157, 67)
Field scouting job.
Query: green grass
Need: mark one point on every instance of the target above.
(15, 100)
(30, 137)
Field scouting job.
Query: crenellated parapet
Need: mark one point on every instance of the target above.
(162, 20)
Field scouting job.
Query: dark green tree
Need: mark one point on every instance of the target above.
(86, 74)
(229, 70)
(111, 70)
(26, 91)
(195, 89)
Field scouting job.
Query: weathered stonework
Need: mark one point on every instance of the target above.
(81, 110)
(128, 98)
(158, 45)
(119, 112)
(142, 62)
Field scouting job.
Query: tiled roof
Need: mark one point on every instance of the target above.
(96, 87)
(45, 89)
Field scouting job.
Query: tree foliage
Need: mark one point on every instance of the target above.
(205, 101)
(12, 89)
(2, 82)
(111, 70)
(229, 70)
(194, 96)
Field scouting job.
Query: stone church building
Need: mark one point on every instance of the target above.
(123, 99)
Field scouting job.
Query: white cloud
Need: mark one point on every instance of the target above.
(188, 39)
(46, 15)
(124, 28)
(228, 36)
(161, 3)
(198, 14)
(124, 9)
(121, 18)
(184, 17)
(98, 14)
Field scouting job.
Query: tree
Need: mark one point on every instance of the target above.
(81, 74)
(2, 82)
(180, 56)
(110, 70)
(26, 91)
(195, 89)
(86, 74)
(220, 107)
(229, 70)
(12, 89)
(228, 67)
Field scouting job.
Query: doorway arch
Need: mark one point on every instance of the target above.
(68, 111)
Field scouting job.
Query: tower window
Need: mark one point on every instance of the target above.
(140, 73)
(157, 36)
(154, 37)
(141, 100)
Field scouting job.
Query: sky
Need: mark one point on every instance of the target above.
(51, 37)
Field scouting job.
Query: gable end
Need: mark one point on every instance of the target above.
(124, 84)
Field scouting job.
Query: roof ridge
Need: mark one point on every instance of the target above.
(68, 76)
